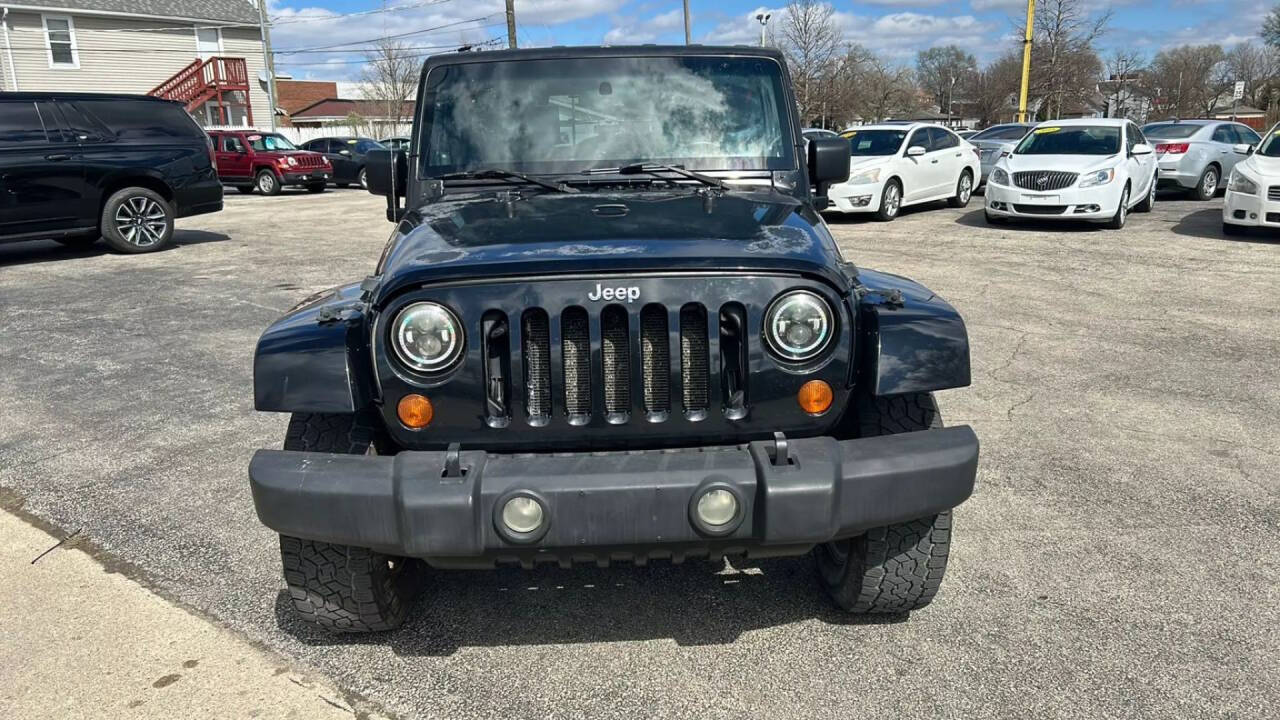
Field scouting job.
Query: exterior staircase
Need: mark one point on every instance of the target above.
(207, 79)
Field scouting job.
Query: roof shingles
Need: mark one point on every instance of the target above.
(236, 11)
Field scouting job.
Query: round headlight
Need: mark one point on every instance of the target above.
(798, 325)
(427, 337)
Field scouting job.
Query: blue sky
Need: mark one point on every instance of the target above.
(896, 29)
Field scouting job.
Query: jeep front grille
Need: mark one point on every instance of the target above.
(693, 357)
(616, 359)
(1045, 179)
(655, 360)
(537, 371)
(576, 349)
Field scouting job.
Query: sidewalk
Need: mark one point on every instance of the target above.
(78, 641)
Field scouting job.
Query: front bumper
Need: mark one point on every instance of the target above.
(863, 197)
(1250, 210)
(307, 178)
(613, 506)
(1073, 203)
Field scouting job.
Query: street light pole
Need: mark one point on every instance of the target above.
(511, 24)
(270, 62)
(763, 19)
(688, 38)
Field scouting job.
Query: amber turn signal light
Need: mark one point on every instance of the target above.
(815, 397)
(415, 411)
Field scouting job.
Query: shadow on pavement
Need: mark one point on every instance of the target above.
(1207, 224)
(37, 251)
(834, 217)
(977, 219)
(691, 604)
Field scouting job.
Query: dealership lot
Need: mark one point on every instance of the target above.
(1117, 559)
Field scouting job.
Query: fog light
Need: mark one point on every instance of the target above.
(415, 411)
(815, 397)
(522, 515)
(717, 507)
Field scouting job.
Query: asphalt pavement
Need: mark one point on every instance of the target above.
(1119, 557)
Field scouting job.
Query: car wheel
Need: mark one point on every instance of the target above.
(137, 220)
(964, 190)
(268, 183)
(890, 201)
(343, 588)
(1149, 201)
(1232, 229)
(1122, 213)
(1208, 185)
(897, 568)
(316, 188)
(363, 179)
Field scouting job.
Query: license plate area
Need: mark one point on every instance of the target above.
(1041, 199)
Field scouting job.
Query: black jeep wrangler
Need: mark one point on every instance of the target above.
(610, 326)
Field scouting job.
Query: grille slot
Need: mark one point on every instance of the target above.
(535, 339)
(1273, 192)
(615, 347)
(1053, 179)
(575, 334)
(694, 364)
(655, 360)
(1040, 209)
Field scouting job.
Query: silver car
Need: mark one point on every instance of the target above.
(1195, 155)
(996, 140)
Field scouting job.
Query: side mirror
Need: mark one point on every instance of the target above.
(828, 163)
(387, 172)
(916, 151)
(1140, 149)
(1243, 149)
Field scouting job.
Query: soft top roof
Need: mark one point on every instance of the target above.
(602, 51)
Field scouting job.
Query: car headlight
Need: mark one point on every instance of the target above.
(1241, 184)
(798, 325)
(999, 177)
(865, 176)
(1101, 177)
(293, 161)
(427, 336)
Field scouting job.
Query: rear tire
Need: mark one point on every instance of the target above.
(964, 190)
(137, 220)
(343, 588)
(897, 568)
(362, 178)
(1208, 185)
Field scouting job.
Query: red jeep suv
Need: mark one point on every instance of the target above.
(251, 160)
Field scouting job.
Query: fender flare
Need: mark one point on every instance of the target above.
(912, 340)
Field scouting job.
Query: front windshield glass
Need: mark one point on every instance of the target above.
(1001, 132)
(867, 143)
(574, 114)
(271, 142)
(1270, 146)
(1071, 140)
(1171, 131)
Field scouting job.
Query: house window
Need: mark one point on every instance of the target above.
(60, 38)
(208, 42)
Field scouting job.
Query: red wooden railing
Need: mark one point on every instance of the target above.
(204, 80)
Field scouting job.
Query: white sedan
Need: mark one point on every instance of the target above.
(895, 165)
(1093, 169)
(1253, 189)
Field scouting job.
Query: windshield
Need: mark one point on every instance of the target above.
(874, 142)
(1270, 147)
(1071, 140)
(1171, 131)
(574, 114)
(271, 142)
(1001, 132)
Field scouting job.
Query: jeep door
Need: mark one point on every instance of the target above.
(235, 164)
(42, 184)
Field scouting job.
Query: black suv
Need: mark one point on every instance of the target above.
(75, 167)
(348, 155)
(610, 327)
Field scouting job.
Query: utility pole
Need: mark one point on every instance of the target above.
(688, 38)
(511, 24)
(1026, 61)
(271, 62)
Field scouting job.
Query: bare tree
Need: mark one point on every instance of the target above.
(1064, 62)
(886, 92)
(1258, 66)
(991, 90)
(811, 42)
(1188, 81)
(940, 70)
(1125, 71)
(390, 78)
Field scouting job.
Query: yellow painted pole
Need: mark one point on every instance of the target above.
(1026, 61)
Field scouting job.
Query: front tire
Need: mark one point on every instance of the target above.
(363, 179)
(1122, 213)
(897, 568)
(137, 220)
(1208, 185)
(1149, 201)
(267, 183)
(964, 191)
(343, 588)
(890, 201)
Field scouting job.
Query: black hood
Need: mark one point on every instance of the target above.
(489, 235)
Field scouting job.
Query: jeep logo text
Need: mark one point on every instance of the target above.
(630, 294)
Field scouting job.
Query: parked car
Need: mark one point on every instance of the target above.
(815, 133)
(1194, 155)
(267, 162)
(347, 155)
(75, 167)
(396, 143)
(966, 134)
(1091, 169)
(619, 361)
(996, 141)
(1253, 187)
(892, 166)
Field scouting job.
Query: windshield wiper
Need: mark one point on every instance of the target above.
(654, 169)
(499, 174)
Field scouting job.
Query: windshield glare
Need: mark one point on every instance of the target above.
(574, 114)
(1001, 132)
(271, 142)
(867, 143)
(1071, 140)
(1171, 131)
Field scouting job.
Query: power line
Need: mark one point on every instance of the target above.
(491, 42)
(318, 18)
(381, 38)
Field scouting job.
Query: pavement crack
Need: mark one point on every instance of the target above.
(1013, 356)
(1020, 403)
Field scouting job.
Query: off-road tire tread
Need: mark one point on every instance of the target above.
(329, 432)
(343, 588)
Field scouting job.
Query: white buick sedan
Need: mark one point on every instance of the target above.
(895, 165)
(1253, 189)
(1091, 169)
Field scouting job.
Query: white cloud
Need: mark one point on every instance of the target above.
(645, 31)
